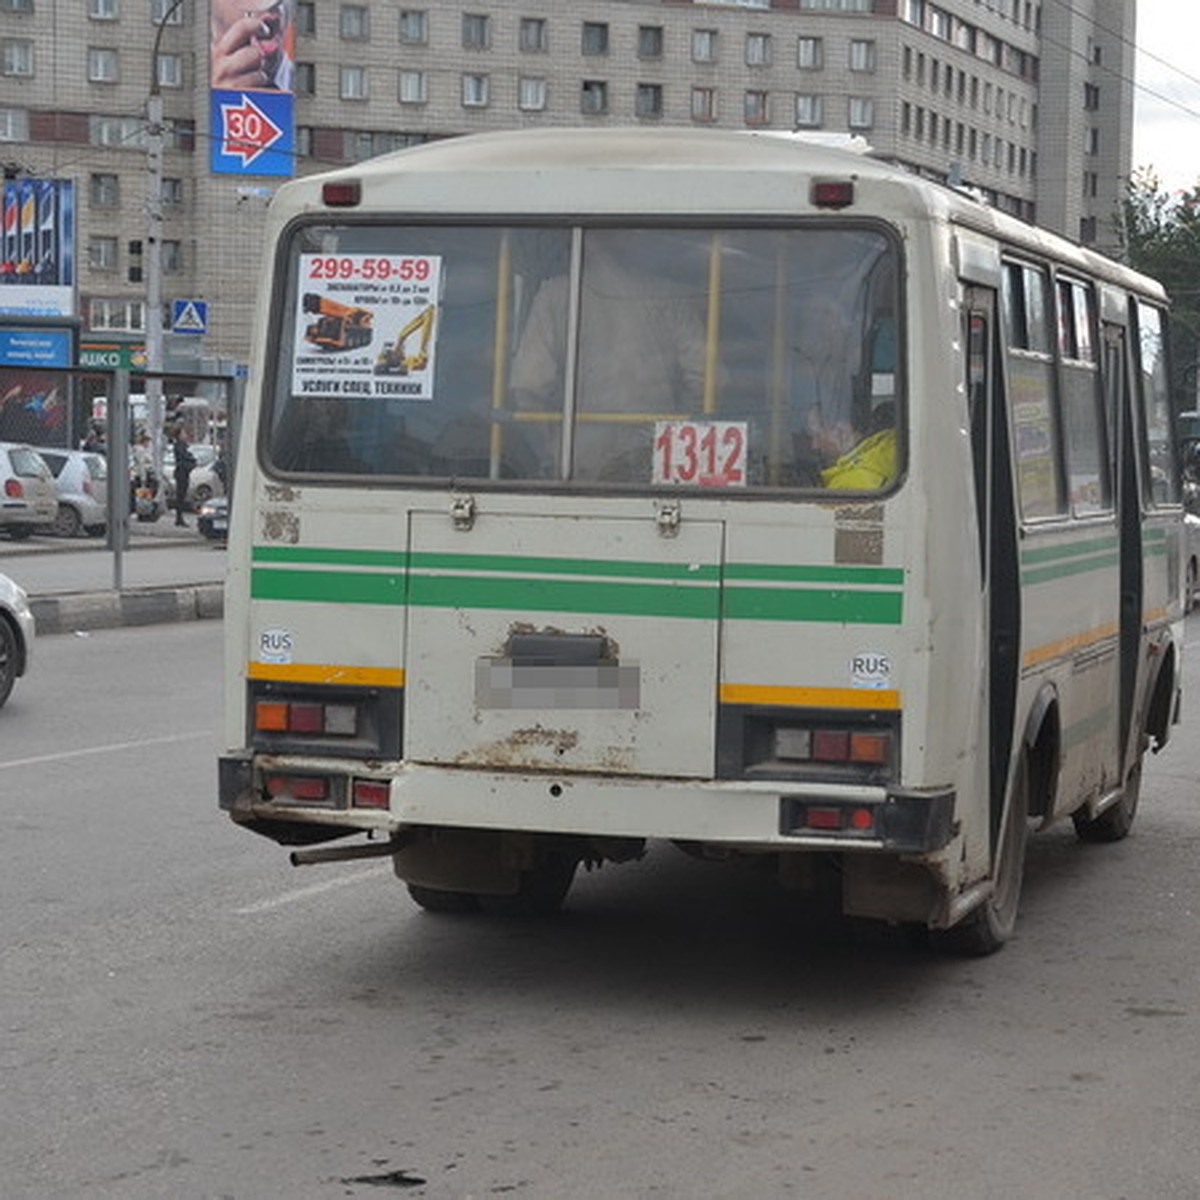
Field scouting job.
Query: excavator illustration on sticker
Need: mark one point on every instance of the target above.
(393, 360)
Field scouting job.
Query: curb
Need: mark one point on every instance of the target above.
(70, 611)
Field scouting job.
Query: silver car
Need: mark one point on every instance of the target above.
(28, 500)
(81, 481)
(16, 635)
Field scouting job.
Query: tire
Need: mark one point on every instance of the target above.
(437, 900)
(988, 927)
(1115, 822)
(8, 659)
(19, 533)
(541, 891)
(95, 531)
(201, 494)
(67, 522)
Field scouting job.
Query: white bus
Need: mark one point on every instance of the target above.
(715, 488)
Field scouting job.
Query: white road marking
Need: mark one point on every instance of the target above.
(112, 748)
(315, 889)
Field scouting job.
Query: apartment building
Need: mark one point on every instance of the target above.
(1028, 101)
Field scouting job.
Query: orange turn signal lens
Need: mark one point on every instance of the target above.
(271, 715)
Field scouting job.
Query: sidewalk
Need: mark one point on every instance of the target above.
(167, 574)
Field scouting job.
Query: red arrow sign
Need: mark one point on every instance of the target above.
(246, 130)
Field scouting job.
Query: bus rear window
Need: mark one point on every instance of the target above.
(647, 357)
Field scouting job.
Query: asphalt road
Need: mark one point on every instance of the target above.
(185, 1015)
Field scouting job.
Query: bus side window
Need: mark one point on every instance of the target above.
(978, 388)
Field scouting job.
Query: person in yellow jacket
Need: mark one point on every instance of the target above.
(868, 466)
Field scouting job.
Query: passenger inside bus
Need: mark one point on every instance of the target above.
(857, 462)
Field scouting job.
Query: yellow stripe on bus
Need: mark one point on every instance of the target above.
(1038, 655)
(809, 697)
(392, 677)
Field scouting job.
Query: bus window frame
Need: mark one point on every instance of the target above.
(285, 294)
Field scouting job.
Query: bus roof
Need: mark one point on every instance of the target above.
(634, 172)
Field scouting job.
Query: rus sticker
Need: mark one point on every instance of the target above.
(275, 646)
(870, 669)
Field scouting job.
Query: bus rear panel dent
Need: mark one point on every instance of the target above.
(678, 521)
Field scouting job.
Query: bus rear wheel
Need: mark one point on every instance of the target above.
(541, 891)
(1115, 822)
(442, 902)
(990, 925)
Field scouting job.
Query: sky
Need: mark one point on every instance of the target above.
(1166, 133)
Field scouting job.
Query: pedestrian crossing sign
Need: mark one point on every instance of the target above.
(189, 316)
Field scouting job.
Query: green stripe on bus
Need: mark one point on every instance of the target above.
(1065, 569)
(334, 587)
(538, 565)
(813, 574)
(331, 556)
(1047, 554)
(812, 604)
(563, 595)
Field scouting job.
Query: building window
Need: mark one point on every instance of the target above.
(354, 23)
(862, 56)
(810, 53)
(172, 192)
(532, 35)
(105, 190)
(172, 256)
(704, 104)
(102, 253)
(116, 314)
(593, 96)
(648, 100)
(414, 26)
(304, 141)
(594, 38)
(166, 12)
(14, 125)
(474, 91)
(531, 93)
(755, 108)
(841, 5)
(118, 133)
(181, 135)
(170, 70)
(476, 31)
(650, 41)
(305, 79)
(704, 45)
(413, 87)
(102, 65)
(306, 18)
(102, 10)
(353, 85)
(808, 112)
(758, 49)
(861, 113)
(16, 57)
(16, 6)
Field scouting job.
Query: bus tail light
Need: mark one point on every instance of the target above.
(370, 793)
(832, 193)
(871, 747)
(845, 819)
(306, 717)
(342, 193)
(306, 789)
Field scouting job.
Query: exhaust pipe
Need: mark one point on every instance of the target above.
(327, 854)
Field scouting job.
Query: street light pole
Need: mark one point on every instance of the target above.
(152, 257)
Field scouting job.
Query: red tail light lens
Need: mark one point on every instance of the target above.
(311, 788)
(13, 488)
(370, 793)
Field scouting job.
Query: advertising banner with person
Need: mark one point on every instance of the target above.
(251, 101)
(366, 325)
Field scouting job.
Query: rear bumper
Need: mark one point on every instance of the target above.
(747, 814)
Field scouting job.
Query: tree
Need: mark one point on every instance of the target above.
(1161, 236)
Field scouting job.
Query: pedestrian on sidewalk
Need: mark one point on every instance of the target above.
(185, 460)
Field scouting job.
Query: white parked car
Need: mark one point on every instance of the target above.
(81, 481)
(16, 635)
(28, 500)
(205, 480)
